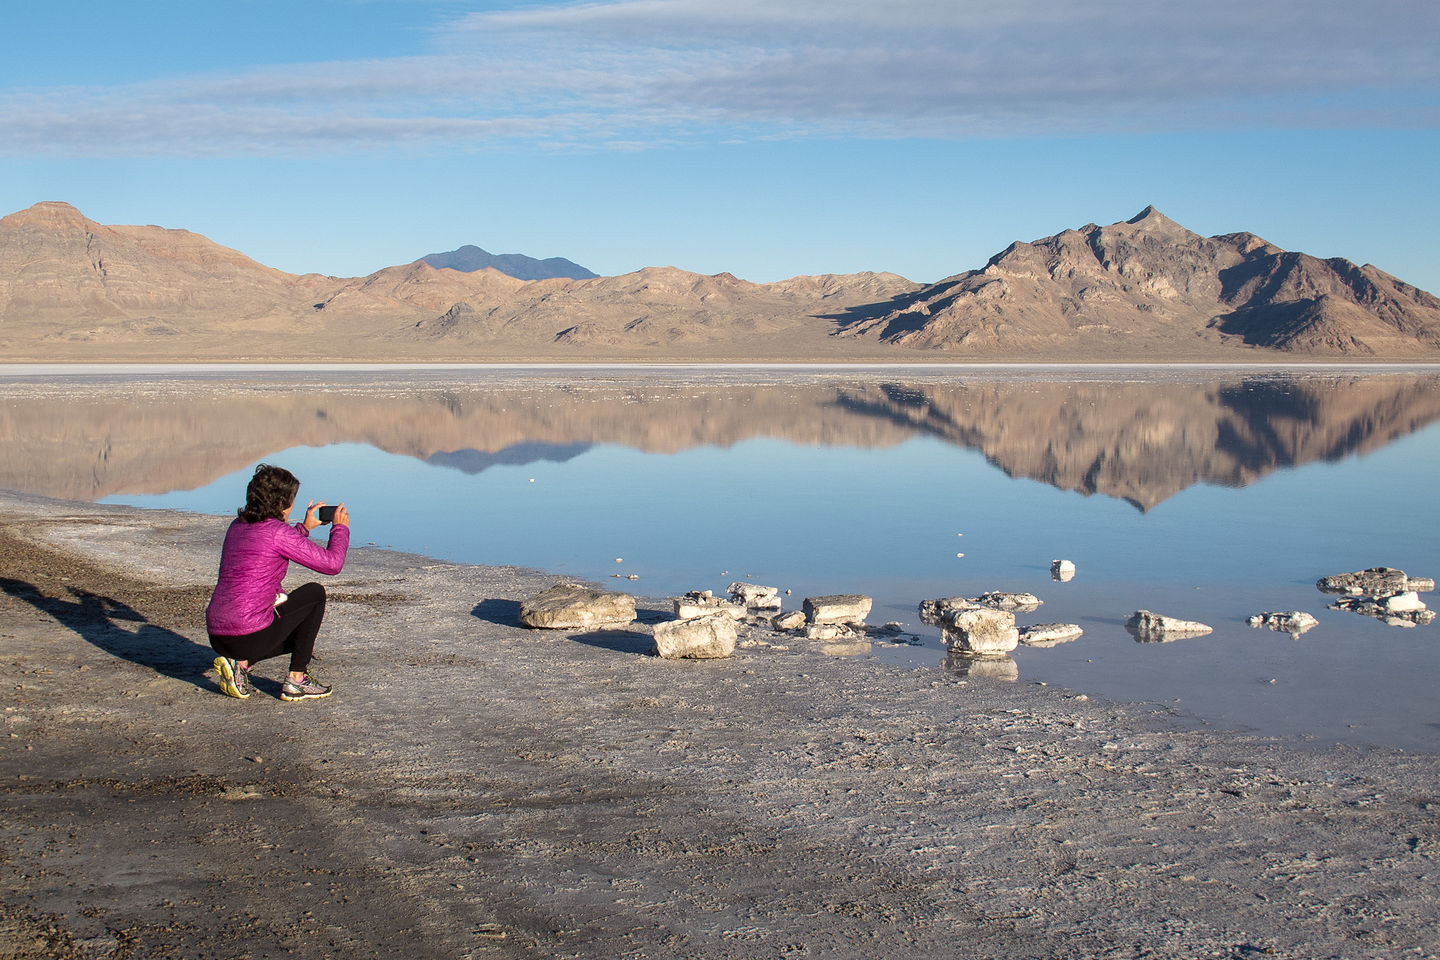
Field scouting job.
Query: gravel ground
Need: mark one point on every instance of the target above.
(476, 789)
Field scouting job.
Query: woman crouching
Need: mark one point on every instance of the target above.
(248, 618)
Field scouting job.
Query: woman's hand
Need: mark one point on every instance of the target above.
(342, 516)
(312, 521)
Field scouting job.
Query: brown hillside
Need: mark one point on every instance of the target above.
(71, 288)
(1147, 284)
(63, 275)
(660, 309)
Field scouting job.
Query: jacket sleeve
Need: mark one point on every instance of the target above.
(292, 544)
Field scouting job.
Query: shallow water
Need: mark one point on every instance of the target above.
(1205, 494)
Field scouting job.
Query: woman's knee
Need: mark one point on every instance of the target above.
(309, 593)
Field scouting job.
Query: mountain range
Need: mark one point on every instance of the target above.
(1145, 289)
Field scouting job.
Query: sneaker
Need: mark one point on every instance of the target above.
(234, 679)
(307, 689)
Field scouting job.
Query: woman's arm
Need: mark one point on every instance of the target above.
(292, 544)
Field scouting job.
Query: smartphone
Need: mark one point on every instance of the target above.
(325, 514)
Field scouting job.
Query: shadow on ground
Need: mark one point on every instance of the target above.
(651, 615)
(620, 641)
(506, 613)
(98, 619)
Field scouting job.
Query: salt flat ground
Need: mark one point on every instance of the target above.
(476, 789)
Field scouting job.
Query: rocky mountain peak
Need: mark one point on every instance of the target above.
(1150, 223)
(1150, 217)
(49, 214)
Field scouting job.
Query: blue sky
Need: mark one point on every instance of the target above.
(768, 138)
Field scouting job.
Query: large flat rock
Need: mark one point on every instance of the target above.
(568, 606)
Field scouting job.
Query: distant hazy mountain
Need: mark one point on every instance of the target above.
(469, 258)
(1145, 289)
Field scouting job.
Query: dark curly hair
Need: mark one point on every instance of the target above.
(270, 493)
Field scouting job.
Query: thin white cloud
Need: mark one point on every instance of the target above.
(666, 71)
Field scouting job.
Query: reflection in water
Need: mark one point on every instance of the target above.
(1143, 441)
(856, 482)
(1140, 440)
(1146, 636)
(981, 668)
(846, 648)
(477, 461)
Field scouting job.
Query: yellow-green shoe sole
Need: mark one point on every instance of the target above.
(227, 679)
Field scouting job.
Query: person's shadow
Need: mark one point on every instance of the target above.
(97, 619)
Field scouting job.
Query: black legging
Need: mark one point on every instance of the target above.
(297, 622)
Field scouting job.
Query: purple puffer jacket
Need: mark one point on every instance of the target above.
(252, 564)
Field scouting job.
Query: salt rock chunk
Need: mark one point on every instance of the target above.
(702, 603)
(1293, 622)
(981, 633)
(846, 648)
(1373, 582)
(1402, 602)
(571, 607)
(793, 620)
(837, 608)
(1062, 571)
(1049, 634)
(999, 600)
(1153, 627)
(700, 638)
(938, 612)
(756, 596)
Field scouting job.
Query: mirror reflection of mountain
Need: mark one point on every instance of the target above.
(1141, 440)
(478, 461)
